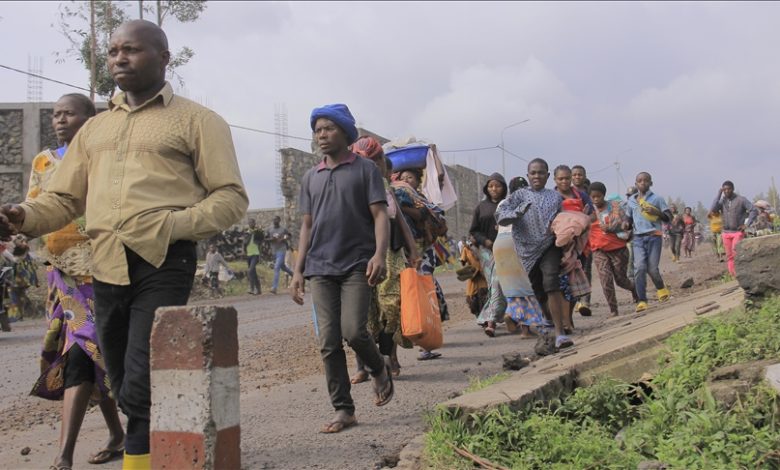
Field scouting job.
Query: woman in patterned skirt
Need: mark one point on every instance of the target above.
(72, 368)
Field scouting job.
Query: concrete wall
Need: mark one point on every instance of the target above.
(25, 129)
(467, 183)
(19, 143)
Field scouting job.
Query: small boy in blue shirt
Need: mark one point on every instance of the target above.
(646, 211)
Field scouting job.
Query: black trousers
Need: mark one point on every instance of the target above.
(124, 316)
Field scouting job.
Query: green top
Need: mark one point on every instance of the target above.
(252, 249)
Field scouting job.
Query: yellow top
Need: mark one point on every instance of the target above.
(68, 249)
(716, 223)
(145, 178)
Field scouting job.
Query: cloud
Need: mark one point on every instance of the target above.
(690, 88)
(482, 100)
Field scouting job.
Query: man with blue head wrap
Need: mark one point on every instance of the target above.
(338, 114)
(341, 252)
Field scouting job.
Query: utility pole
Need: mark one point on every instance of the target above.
(141, 9)
(92, 49)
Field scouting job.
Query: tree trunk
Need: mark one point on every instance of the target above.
(159, 13)
(92, 50)
(109, 20)
(141, 9)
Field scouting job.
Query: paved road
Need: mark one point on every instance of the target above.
(279, 422)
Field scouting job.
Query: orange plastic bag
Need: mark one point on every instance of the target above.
(420, 319)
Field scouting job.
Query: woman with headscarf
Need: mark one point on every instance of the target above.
(71, 362)
(426, 221)
(384, 316)
(484, 230)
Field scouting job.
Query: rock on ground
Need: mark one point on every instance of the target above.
(757, 264)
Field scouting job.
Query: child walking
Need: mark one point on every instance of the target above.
(610, 254)
(214, 260)
(645, 213)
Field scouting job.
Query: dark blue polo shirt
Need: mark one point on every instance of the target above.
(338, 200)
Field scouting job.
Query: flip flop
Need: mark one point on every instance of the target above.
(106, 455)
(359, 377)
(338, 425)
(428, 355)
(563, 341)
(388, 392)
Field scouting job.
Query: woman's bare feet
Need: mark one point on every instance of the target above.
(526, 333)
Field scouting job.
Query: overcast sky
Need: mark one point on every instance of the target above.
(687, 91)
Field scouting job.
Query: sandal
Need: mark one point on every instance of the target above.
(387, 388)
(563, 341)
(585, 310)
(359, 377)
(339, 424)
(490, 329)
(60, 467)
(106, 455)
(428, 355)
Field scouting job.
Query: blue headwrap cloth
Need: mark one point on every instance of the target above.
(339, 114)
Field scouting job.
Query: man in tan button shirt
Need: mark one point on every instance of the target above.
(153, 174)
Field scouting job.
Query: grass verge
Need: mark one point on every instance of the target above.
(617, 425)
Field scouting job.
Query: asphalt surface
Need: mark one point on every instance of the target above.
(283, 396)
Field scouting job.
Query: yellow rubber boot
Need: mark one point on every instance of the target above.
(137, 462)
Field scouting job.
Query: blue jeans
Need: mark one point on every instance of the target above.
(647, 256)
(341, 307)
(280, 266)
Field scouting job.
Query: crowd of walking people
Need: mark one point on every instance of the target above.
(117, 232)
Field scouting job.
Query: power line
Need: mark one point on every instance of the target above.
(602, 169)
(469, 150)
(260, 131)
(87, 89)
(495, 147)
(513, 154)
(44, 78)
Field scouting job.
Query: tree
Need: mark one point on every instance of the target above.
(185, 11)
(90, 46)
(677, 202)
(88, 26)
(700, 212)
(772, 196)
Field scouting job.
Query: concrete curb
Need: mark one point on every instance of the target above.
(625, 349)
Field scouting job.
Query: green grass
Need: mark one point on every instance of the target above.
(240, 286)
(476, 383)
(680, 424)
